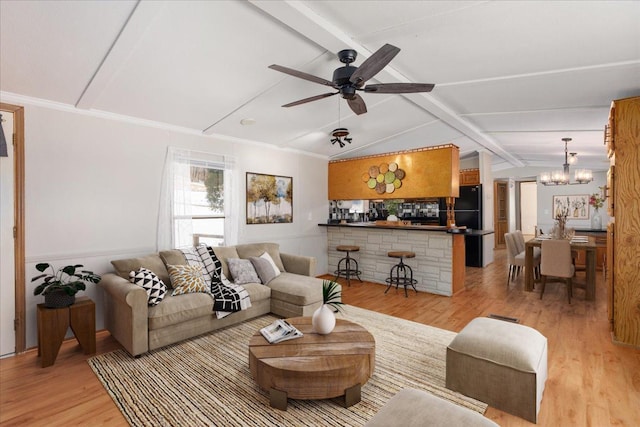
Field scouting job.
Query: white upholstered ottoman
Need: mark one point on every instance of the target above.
(500, 363)
(417, 408)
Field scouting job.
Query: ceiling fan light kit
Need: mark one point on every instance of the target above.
(562, 177)
(347, 80)
(340, 135)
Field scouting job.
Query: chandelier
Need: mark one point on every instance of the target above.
(562, 177)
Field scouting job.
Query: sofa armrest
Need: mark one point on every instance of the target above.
(304, 265)
(126, 313)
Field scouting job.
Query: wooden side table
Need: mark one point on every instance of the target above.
(53, 324)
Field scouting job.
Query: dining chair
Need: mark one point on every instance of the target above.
(556, 262)
(519, 240)
(513, 261)
(516, 258)
(521, 247)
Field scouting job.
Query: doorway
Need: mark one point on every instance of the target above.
(528, 208)
(12, 251)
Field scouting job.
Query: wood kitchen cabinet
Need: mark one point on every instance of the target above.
(622, 139)
(470, 177)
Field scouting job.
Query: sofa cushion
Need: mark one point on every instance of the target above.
(296, 289)
(266, 271)
(173, 257)
(257, 249)
(242, 271)
(224, 252)
(273, 265)
(187, 279)
(182, 308)
(151, 262)
(150, 282)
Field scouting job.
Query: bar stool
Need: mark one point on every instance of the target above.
(398, 273)
(346, 270)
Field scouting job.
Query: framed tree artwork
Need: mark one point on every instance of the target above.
(574, 206)
(269, 199)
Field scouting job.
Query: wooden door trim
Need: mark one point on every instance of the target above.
(496, 212)
(18, 211)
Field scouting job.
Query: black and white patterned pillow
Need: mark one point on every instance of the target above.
(147, 279)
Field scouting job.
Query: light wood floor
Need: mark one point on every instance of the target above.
(592, 382)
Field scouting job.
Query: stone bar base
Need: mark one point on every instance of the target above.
(433, 266)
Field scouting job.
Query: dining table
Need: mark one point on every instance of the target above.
(587, 245)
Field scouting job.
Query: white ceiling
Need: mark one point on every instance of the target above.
(512, 78)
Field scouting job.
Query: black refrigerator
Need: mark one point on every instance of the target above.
(468, 212)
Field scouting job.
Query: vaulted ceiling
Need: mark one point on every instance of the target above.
(512, 78)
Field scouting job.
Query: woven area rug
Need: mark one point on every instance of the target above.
(206, 380)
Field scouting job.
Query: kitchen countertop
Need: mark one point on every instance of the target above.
(441, 228)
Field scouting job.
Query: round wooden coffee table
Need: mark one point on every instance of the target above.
(314, 366)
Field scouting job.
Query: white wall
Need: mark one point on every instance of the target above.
(93, 185)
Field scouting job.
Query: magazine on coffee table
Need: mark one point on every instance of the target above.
(279, 331)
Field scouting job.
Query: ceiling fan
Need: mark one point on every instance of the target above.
(349, 79)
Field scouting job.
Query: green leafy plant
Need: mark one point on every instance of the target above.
(392, 206)
(332, 295)
(68, 279)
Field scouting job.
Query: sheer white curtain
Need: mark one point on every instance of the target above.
(231, 216)
(175, 224)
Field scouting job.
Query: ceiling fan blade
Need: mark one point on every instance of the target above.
(374, 64)
(357, 104)
(301, 75)
(312, 98)
(399, 87)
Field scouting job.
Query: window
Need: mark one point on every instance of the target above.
(195, 201)
(207, 205)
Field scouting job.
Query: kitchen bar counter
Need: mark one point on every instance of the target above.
(416, 227)
(439, 265)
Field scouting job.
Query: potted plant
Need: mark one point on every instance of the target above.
(324, 319)
(392, 209)
(60, 287)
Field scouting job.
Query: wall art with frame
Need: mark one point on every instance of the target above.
(575, 206)
(269, 199)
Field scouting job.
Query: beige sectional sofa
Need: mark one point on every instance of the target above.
(140, 327)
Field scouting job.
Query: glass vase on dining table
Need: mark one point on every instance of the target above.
(561, 231)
